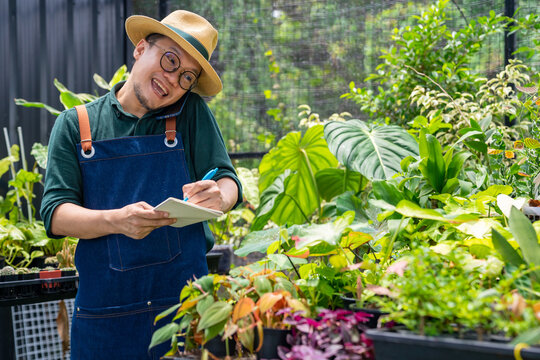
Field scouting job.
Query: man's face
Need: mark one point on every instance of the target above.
(154, 87)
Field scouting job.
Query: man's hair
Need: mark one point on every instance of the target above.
(152, 38)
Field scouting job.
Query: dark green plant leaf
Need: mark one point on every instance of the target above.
(349, 202)
(213, 331)
(373, 151)
(270, 198)
(216, 313)
(410, 209)
(333, 182)
(166, 312)
(101, 82)
(204, 303)
(69, 100)
(284, 284)
(284, 262)
(432, 166)
(163, 334)
(206, 283)
(509, 255)
(303, 157)
(387, 191)
(262, 285)
(526, 237)
(531, 337)
(450, 186)
(456, 164)
(330, 232)
(39, 152)
(257, 241)
(120, 75)
(25, 103)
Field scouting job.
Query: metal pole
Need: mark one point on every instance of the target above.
(162, 9)
(509, 44)
(509, 39)
(25, 168)
(14, 67)
(11, 166)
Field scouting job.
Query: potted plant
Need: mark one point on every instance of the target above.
(7, 274)
(445, 293)
(225, 310)
(333, 334)
(273, 310)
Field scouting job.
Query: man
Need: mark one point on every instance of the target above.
(113, 160)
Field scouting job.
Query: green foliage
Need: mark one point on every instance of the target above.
(289, 192)
(232, 227)
(23, 238)
(426, 49)
(373, 151)
(228, 306)
(70, 99)
(435, 294)
(529, 251)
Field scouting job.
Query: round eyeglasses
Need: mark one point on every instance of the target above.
(170, 62)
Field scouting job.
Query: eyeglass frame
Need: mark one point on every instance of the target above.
(165, 52)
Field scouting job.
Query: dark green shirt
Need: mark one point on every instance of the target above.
(203, 144)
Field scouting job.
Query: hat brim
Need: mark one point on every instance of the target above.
(139, 27)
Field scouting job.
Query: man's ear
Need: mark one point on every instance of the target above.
(139, 49)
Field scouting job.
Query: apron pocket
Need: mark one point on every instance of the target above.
(160, 246)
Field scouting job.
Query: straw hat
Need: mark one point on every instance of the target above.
(192, 32)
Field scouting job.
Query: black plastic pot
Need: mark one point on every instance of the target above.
(272, 338)
(218, 348)
(375, 315)
(225, 260)
(212, 260)
(408, 346)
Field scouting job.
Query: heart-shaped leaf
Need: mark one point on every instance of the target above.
(243, 307)
(216, 313)
(268, 300)
(298, 198)
(333, 182)
(373, 151)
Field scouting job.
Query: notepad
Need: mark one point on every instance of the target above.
(185, 212)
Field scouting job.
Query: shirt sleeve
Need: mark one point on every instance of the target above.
(63, 181)
(205, 146)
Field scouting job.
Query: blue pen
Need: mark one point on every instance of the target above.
(209, 175)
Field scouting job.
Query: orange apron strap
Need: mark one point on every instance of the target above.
(170, 128)
(84, 128)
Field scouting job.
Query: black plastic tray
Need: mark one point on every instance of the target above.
(408, 346)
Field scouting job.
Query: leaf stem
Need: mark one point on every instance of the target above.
(313, 181)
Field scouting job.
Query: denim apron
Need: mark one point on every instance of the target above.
(124, 283)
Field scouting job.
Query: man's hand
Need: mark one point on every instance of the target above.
(134, 220)
(205, 193)
(139, 219)
(220, 195)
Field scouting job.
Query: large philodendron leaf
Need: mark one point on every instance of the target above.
(291, 153)
(334, 182)
(299, 196)
(373, 151)
(270, 198)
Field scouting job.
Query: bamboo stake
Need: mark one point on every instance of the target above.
(12, 167)
(25, 167)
